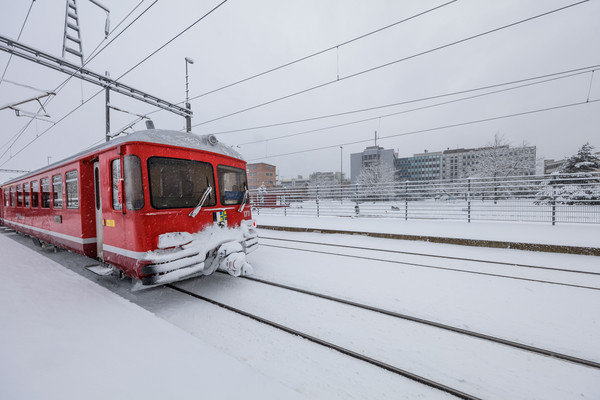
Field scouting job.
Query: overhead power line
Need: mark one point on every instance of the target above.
(393, 62)
(337, 46)
(18, 37)
(16, 137)
(313, 54)
(13, 170)
(115, 80)
(478, 121)
(539, 80)
(175, 37)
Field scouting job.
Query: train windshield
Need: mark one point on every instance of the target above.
(232, 184)
(178, 183)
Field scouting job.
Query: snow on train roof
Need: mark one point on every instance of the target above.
(176, 138)
(158, 136)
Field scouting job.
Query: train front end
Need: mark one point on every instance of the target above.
(190, 211)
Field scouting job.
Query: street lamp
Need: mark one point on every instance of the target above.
(341, 173)
(188, 118)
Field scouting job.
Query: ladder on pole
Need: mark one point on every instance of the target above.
(72, 39)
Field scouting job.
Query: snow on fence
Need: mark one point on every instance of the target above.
(557, 198)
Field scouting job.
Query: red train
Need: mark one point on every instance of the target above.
(158, 205)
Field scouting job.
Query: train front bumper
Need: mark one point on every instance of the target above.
(181, 255)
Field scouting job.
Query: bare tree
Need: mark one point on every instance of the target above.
(376, 181)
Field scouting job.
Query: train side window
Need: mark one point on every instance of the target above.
(19, 196)
(72, 189)
(35, 193)
(45, 192)
(115, 170)
(26, 193)
(6, 198)
(57, 199)
(134, 188)
(13, 196)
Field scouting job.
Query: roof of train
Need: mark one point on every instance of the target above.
(158, 136)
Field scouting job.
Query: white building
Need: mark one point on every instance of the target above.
(371, 155)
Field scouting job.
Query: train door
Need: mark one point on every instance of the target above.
(98, 205)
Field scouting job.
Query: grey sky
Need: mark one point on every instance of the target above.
(243, 38)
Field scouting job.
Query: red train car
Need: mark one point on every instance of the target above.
(159, 205)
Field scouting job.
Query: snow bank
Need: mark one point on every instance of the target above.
(64, 337)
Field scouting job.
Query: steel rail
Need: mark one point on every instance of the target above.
(343, 350)
(434, 256)
(437, 267)
(478, 335)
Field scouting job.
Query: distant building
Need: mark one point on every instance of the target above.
(462, 163)
(371, 155)
(325, 178)
(551, 166)
(420, 167)
(294, 182)
(259, 174)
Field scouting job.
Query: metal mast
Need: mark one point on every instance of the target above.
(72, 32)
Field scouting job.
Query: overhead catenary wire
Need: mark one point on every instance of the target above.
(420, 131)
(174, 38)
(336, 47)
(304, 58)
(356, 74)
(18, 38)
(123, 75)
(16, 137)
(540, 79)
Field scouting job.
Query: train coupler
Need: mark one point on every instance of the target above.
(232, 259)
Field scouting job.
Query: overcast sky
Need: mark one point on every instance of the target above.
(244, 38)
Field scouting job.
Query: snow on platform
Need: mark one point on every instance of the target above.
(577, 235)
(65, 337)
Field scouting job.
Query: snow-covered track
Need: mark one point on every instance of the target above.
(345, 351)
(429, 255)
(521, 346)
(433, 266)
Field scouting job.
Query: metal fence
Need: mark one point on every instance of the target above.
(557, 198)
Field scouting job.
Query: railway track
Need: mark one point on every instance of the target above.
(494, 339)
(402, 372)
(540, 267)
(432, 266)
(370, 360)
(458, 390)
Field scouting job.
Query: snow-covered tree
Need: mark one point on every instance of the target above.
(376, 181)
(583, 162)
(577, 181)
(498, 159)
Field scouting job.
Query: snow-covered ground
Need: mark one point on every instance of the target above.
(583, 235)
(65, 337)
(76, 353)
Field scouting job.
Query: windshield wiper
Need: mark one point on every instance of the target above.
(244, 199)
(196, 210)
